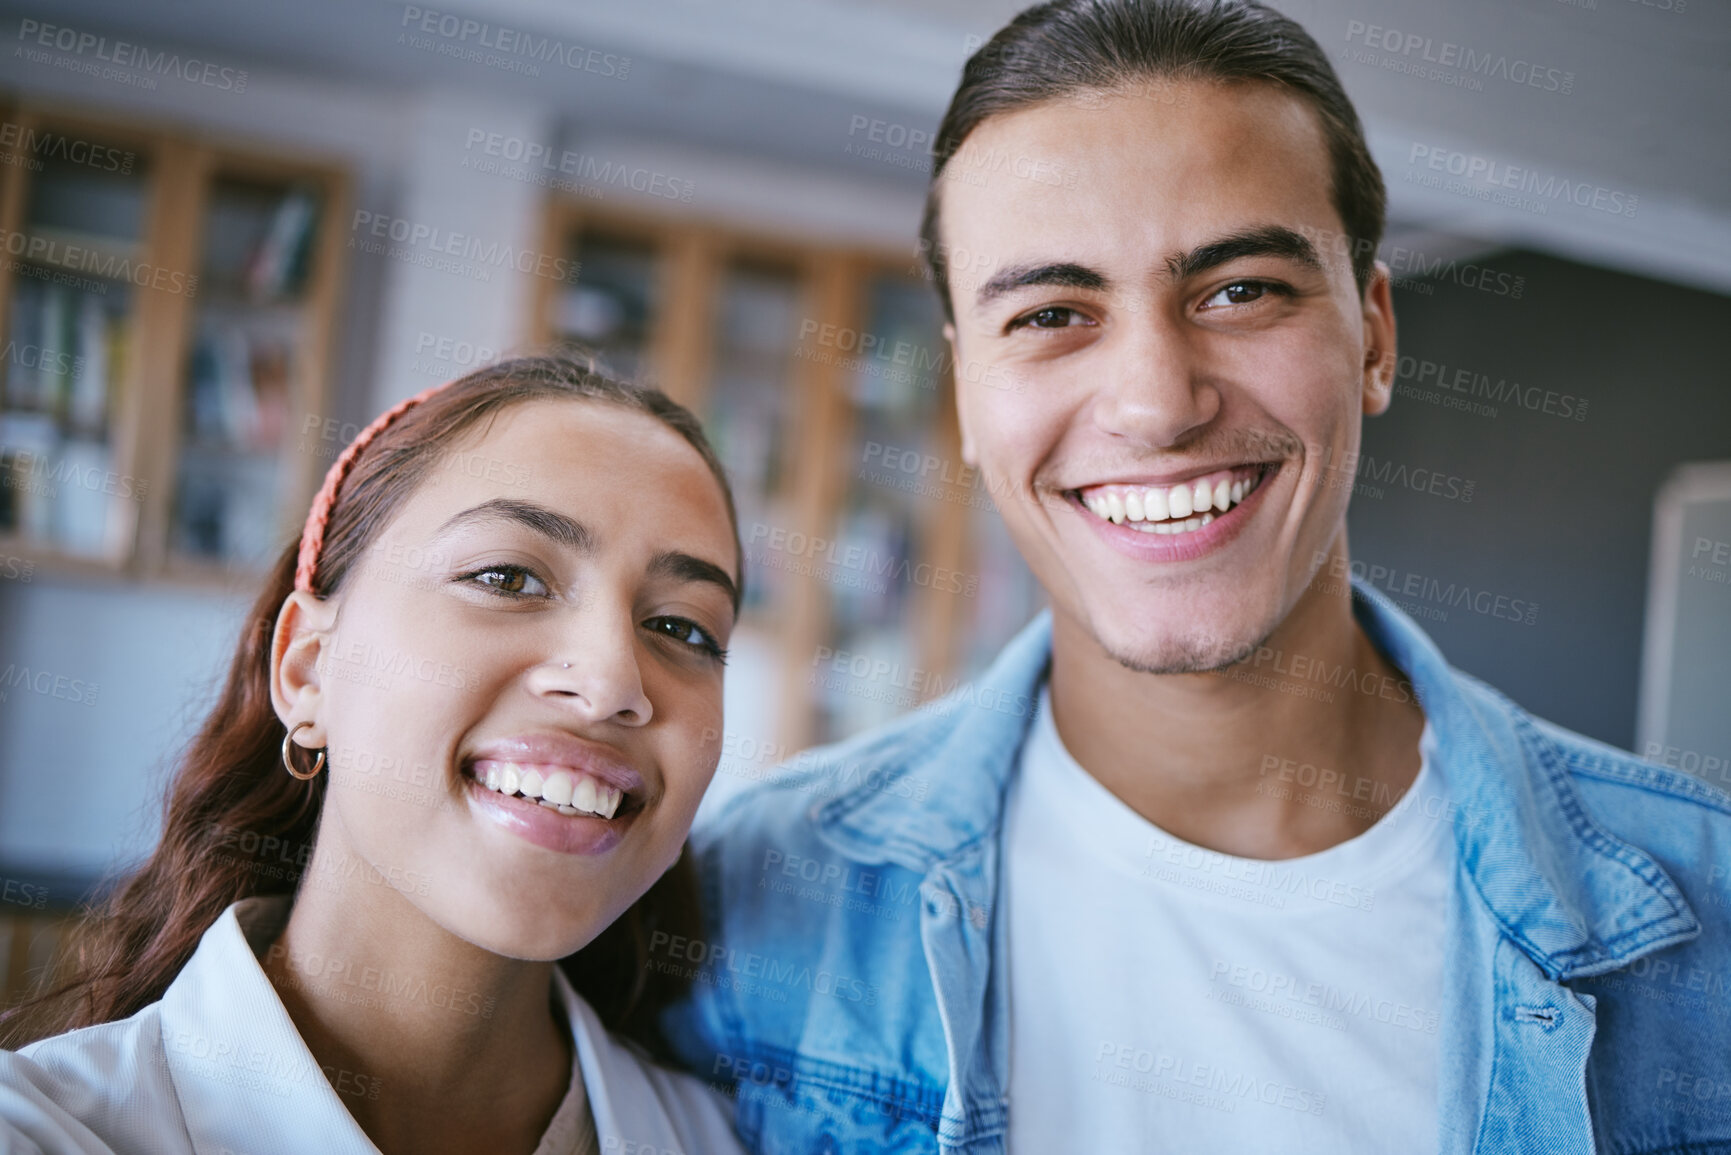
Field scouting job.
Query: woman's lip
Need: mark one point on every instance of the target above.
(535, 823)
(1142, 546)
(567, 750)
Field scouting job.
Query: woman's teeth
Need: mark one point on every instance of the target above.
(1182, 508)
(567, 791)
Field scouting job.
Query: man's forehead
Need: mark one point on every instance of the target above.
(1062, 147)
(1145, 179)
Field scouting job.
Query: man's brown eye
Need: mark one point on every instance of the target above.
(1244, 292)
(1052, 318)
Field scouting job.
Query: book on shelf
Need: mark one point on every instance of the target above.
(278, 263)
(238, 395)
(64, 352)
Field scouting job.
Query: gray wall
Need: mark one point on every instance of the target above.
(103, 685)
(1561, 508)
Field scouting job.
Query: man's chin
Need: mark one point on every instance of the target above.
(1182, 652)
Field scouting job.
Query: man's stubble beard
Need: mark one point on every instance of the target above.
(1186, 655)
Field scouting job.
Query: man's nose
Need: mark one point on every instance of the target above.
(1154, 391)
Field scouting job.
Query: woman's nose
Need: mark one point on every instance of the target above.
(594, 671)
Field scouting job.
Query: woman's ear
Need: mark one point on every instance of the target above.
(302, 632)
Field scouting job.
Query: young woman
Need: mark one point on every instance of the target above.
(412, 866)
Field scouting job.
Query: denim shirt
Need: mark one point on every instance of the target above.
(847, 985)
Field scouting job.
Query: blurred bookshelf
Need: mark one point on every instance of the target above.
(810, 365)
(167, 311)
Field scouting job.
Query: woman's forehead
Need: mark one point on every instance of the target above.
(618, 471)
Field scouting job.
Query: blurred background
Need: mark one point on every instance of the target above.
(234, 232)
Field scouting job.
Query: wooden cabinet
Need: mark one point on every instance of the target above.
(877, 572)
(167, 305)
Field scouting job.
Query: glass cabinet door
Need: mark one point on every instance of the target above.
(881, 564)
(750, 415)
(68, 338)
(748, 409)
(610, 308)
(242, 371)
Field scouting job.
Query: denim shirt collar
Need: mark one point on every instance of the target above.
(1576, 899)
(978, 731)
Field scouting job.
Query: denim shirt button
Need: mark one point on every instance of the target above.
(826, 1145)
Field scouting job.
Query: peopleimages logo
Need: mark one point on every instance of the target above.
(1457, 60)
(538, 161)
(414, 242)
(33, 145)
(1498, 175)
(127, 55)
(100, 262)
(499, 46)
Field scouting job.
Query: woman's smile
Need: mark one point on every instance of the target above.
(557, 791)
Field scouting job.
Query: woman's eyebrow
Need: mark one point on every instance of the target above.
(686, 567)
(549, 523)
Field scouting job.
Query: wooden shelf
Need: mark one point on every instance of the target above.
(148, 353)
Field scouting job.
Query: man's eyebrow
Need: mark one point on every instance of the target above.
(565, 531)
(685, 567)
(1063, 274)
(1267, 241)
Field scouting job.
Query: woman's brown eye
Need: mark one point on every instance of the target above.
(689, 634)
(509, 580)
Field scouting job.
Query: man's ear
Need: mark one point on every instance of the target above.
(1380, 360)
(969, 457)
(303, 628)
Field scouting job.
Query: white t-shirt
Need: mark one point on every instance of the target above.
(1167, 998)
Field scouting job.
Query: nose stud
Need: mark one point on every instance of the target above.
(567, 665)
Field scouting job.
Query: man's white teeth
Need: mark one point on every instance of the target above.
(562, 790)
(1170, 509)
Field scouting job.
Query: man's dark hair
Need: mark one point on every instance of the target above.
(1070, 47)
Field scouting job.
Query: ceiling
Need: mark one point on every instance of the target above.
(1647, 114)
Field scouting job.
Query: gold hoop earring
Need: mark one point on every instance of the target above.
(288, 761)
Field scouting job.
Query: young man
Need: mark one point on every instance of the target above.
(1220, 855)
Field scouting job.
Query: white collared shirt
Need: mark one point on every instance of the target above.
(216, 1067)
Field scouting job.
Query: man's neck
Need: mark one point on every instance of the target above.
(1302, 745)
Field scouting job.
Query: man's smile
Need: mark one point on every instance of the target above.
(1183, 505)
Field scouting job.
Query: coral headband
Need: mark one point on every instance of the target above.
(313, 533)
